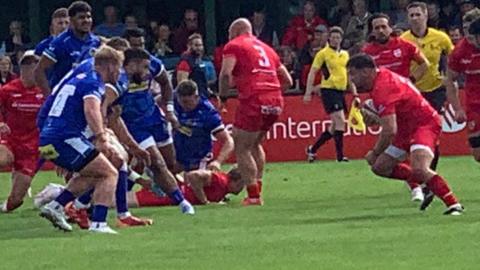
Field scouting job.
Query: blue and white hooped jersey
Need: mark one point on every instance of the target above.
(66, 117)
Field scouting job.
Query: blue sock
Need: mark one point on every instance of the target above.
(86, 197)
(65, 197)
(121, 191)
(99, 213)
(130, 184)
(176, 196)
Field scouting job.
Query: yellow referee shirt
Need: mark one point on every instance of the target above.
(333, 65)
(433, 45)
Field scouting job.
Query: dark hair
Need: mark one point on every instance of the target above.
(134, 32)
(234, 174)
(78, 7)
(360, 61)
(187, 88)
(194, 36)
(454, 28)
(116, 42)
(336, 29)
(374, 17)
(416, 4)
(135, 53)
(474, 28)
(60, 13)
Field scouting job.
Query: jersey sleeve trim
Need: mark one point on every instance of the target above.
(218, 129)
(49, 55)
(92, 96)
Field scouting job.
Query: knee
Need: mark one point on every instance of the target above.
(380, 170)
(420, 175)
(476, 156)
(117, 160)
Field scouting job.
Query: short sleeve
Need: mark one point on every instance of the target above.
(214, 121)
(55, 50)
(156, 66)
(184, 66)
(318, 60)
(413, 51)
(454, 62)
(230, 50)
(447, 44)
(90, 89)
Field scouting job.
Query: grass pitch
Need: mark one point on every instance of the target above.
(316, 216)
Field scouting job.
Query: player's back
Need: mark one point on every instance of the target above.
(394, 93)
(255, 71)
(66, 116)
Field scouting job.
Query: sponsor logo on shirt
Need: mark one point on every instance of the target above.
(397, 53)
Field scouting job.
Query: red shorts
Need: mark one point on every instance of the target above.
(473, 118)
(426, 137)
(25, 156)
(258, 113)
(146, 197)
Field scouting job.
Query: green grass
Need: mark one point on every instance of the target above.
(316, 216)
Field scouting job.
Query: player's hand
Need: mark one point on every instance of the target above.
(4, 129)
(103, 145)
(141, 155)
(307, 98)
(369, 118)
(214, 166)
(356, 102)
(371, 157)
(170, 116)
(460, 116)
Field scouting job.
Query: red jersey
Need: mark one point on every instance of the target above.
(19, 108)
(215, 192)
(393, 94)
(255, 71)
(465, 58)
(396, 55)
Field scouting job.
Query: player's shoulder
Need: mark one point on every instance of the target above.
(407, 35)
(207, 106)
(437, 34)
(62, 38)
(12, 86)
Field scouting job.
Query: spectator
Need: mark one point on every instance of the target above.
(320, 39)
(110, 28)
(192, 66)
(434, 16)
(163, 44)
(188, 27)
(399, 16)
(130, 21)
(58, 24)
(340, 14)
(289, 60)
(262, 30)
(6, 70)
(465, 6)
(357, 28)
(301, 28)
(455, 34)
(17, 39)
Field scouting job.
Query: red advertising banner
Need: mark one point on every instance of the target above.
(300, 125)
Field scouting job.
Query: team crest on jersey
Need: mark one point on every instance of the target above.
(39, 96)
(397, 53)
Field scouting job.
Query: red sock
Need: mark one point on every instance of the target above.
(253, 191)
(413, 184)
(260, 185)
(440, 188)
(402, 172)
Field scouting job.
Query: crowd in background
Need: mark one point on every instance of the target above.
(297, 45)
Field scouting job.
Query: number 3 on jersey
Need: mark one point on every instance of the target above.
(264, 61)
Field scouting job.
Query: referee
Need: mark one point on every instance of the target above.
(332, 62)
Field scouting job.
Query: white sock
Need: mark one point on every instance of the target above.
(123, 215)
(78, 205)
(97, 225)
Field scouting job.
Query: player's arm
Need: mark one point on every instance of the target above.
(197, 180)
(389, 130)
(353, 89)
(167, 97)
(422, 62)
(40, 74)
(284, 77)
(226, 76)
(93, 115)
(226, 141)
(452, 95)
(111, 95)
(4, 128)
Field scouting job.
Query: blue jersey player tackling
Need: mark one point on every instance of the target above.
(199, 121)
(62, 140)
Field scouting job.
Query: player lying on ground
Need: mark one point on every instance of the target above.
(409, 125)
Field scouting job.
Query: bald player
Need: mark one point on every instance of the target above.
(256, 71)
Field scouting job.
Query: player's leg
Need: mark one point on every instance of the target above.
(260, 159)
(168, 153)
(338, 124)
(20, 185)
(245, 142)
(421, 158)
(6, 156)
(437, 99)
(474, 141)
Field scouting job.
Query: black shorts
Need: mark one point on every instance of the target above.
(333, 100)
(436, 98)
